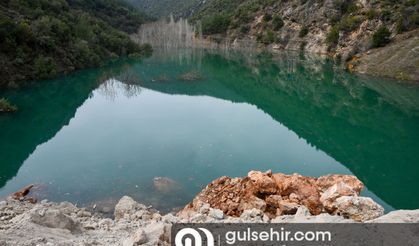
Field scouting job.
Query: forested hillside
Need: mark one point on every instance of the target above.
(344, 29)
(163, 8)
(343, 15)
(42, 38)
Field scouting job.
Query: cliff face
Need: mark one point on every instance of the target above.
(339, 28)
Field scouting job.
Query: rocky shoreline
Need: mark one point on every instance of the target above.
(257, 198)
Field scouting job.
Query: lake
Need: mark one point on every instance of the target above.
(192, 115)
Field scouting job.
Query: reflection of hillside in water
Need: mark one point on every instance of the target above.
(43, 110)
(369, 125)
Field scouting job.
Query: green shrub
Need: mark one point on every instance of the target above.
(303, 45)
(277, 22)
(6, 106)
(334, 18)
(234, 24)
(414, 19)
(267, 17)
(268, 38)
(333, 35)
(244, 29)
(303, 32)
(371, 14)
(244, 17)
(385, 15)
(259, 37)
(215, 24)
(351, 8)
(411, 2)
(399, 25)
(349, 23)
(45, 67)
(345, 6)
(381, 37)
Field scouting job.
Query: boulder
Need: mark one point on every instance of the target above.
(231, 196)
(287, 207)
(170, 219)
(263, 182)
(127, 207)
(252, 202)
(157, 232)
(334, 192)
(138, 238)
(399, 216)
(358, 208)
(273, 205)
(325, 182)
(302, 188)
(302, 212)
(53, 218)
(165, 184)
(204, 209)
(252, 216)
(67, 208)
(216, 214)
(20, 195)
(273, 200)
(84, 213)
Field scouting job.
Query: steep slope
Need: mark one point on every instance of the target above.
(40, 38)
(117, 13)
(341, 28)
(400, 59)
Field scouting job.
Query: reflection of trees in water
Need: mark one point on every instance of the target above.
(128, 83)
(367, 124)
(179, 56)
(327, 84)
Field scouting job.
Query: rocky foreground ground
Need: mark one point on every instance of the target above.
(257, 198)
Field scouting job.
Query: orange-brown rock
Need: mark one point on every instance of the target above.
(19, 195)
(273, 194)
(263, 182)
(325, 182)
(300, 188)
(287, 207)
(273, 206)
(232, 196)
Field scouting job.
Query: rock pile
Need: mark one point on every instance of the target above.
(279, 194)
(257, 198)
(48, 223)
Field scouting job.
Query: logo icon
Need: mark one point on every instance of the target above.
(196, 237)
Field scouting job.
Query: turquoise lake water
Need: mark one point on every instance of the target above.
(191, 116)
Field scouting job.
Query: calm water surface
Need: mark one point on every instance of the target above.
(191, 116)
